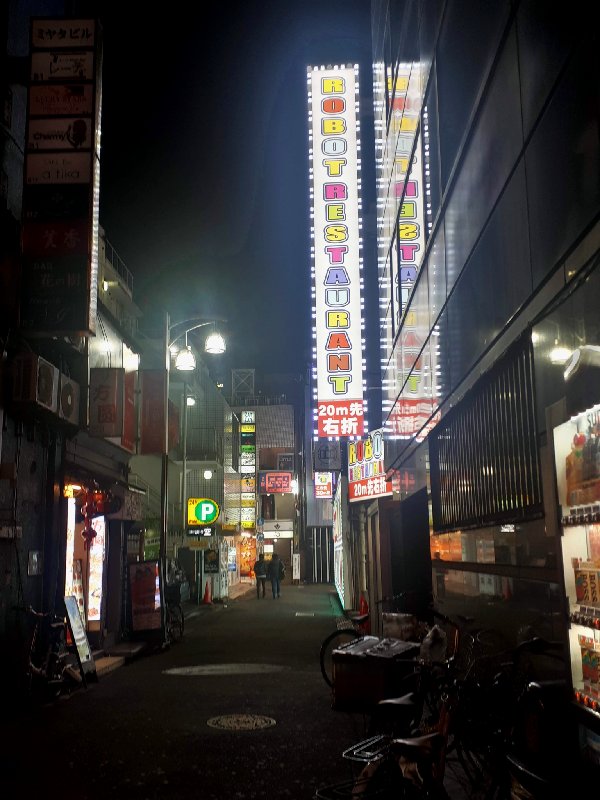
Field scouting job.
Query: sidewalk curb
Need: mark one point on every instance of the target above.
(107, 664)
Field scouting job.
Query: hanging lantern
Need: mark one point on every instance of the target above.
(88, 534)
(88, 510)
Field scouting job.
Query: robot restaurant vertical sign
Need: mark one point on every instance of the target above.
(336, 251)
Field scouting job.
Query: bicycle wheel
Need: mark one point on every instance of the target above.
(380, 779)
(174, 623)
(330, 643)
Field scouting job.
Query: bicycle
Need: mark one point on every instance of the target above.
(408, 759)
(173, 613)
(51, 668)
(505, 713)
(410, 765)
(352, 628)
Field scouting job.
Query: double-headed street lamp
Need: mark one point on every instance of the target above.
(185, 361)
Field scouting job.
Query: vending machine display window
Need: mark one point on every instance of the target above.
(577, 460)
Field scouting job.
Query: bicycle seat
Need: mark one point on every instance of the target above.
(415, 746)
(358, 619)
(409, 699)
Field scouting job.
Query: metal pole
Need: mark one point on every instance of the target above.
(184, 459)
(164, 477)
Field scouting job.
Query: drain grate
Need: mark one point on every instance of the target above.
(240, 722)
(226, 669)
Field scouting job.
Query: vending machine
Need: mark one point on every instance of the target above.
(577, 462)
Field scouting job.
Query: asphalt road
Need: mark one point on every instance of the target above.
(144, 730)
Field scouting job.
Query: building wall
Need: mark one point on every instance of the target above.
(505, 96)
(501, 99)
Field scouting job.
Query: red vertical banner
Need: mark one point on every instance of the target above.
(152, 432)
(128, 439)
(106, 402)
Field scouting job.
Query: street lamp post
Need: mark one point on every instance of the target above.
(185, 362)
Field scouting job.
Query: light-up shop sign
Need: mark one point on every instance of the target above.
(336, 267)
(366, 469)
(202, 511)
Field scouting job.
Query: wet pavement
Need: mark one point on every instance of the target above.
(237, 709)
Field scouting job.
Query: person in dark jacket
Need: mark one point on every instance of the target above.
(275, 572)
(260, 571)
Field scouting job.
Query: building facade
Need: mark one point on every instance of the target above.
(488, 187)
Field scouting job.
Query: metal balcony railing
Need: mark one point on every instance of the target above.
(204, 444)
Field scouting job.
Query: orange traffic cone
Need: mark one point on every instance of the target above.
(207, 598)
(363, 608)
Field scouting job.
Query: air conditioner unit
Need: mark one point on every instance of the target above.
(68, 399)
(35, 382)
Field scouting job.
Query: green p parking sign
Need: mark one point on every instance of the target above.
(202, 511)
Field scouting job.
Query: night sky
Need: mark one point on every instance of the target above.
(204, 182)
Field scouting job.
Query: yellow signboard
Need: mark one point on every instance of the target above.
(202, 511)
(247, 428)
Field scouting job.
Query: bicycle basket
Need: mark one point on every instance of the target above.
(368, 750)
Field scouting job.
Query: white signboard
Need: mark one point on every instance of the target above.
(58, 168)
(60, 133)
(277, 526)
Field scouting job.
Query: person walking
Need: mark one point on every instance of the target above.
(275, 572)
(260, 571)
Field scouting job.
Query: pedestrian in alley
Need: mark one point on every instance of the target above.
(275, 572)
(260, 571)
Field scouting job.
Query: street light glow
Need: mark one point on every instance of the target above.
(186, 360)
(214, 343)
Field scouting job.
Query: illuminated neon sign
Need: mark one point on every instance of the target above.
(336, 251)
(366, 469)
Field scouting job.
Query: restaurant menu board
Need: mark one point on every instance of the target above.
(96, 568)
(211, 561)
(87, 665)
(144, 584)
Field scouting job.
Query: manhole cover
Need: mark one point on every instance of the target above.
(240, 722)
(225, 669)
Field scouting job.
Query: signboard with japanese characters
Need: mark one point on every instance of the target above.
(366, 469)
(333, 95)
(106, 402)
(273, 482)
(324, 485)
(61, 178)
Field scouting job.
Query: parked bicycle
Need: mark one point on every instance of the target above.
(511, 731)
(352, 628)
(417, 733)
(408, 760)
(52, 669)
(174, 613)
